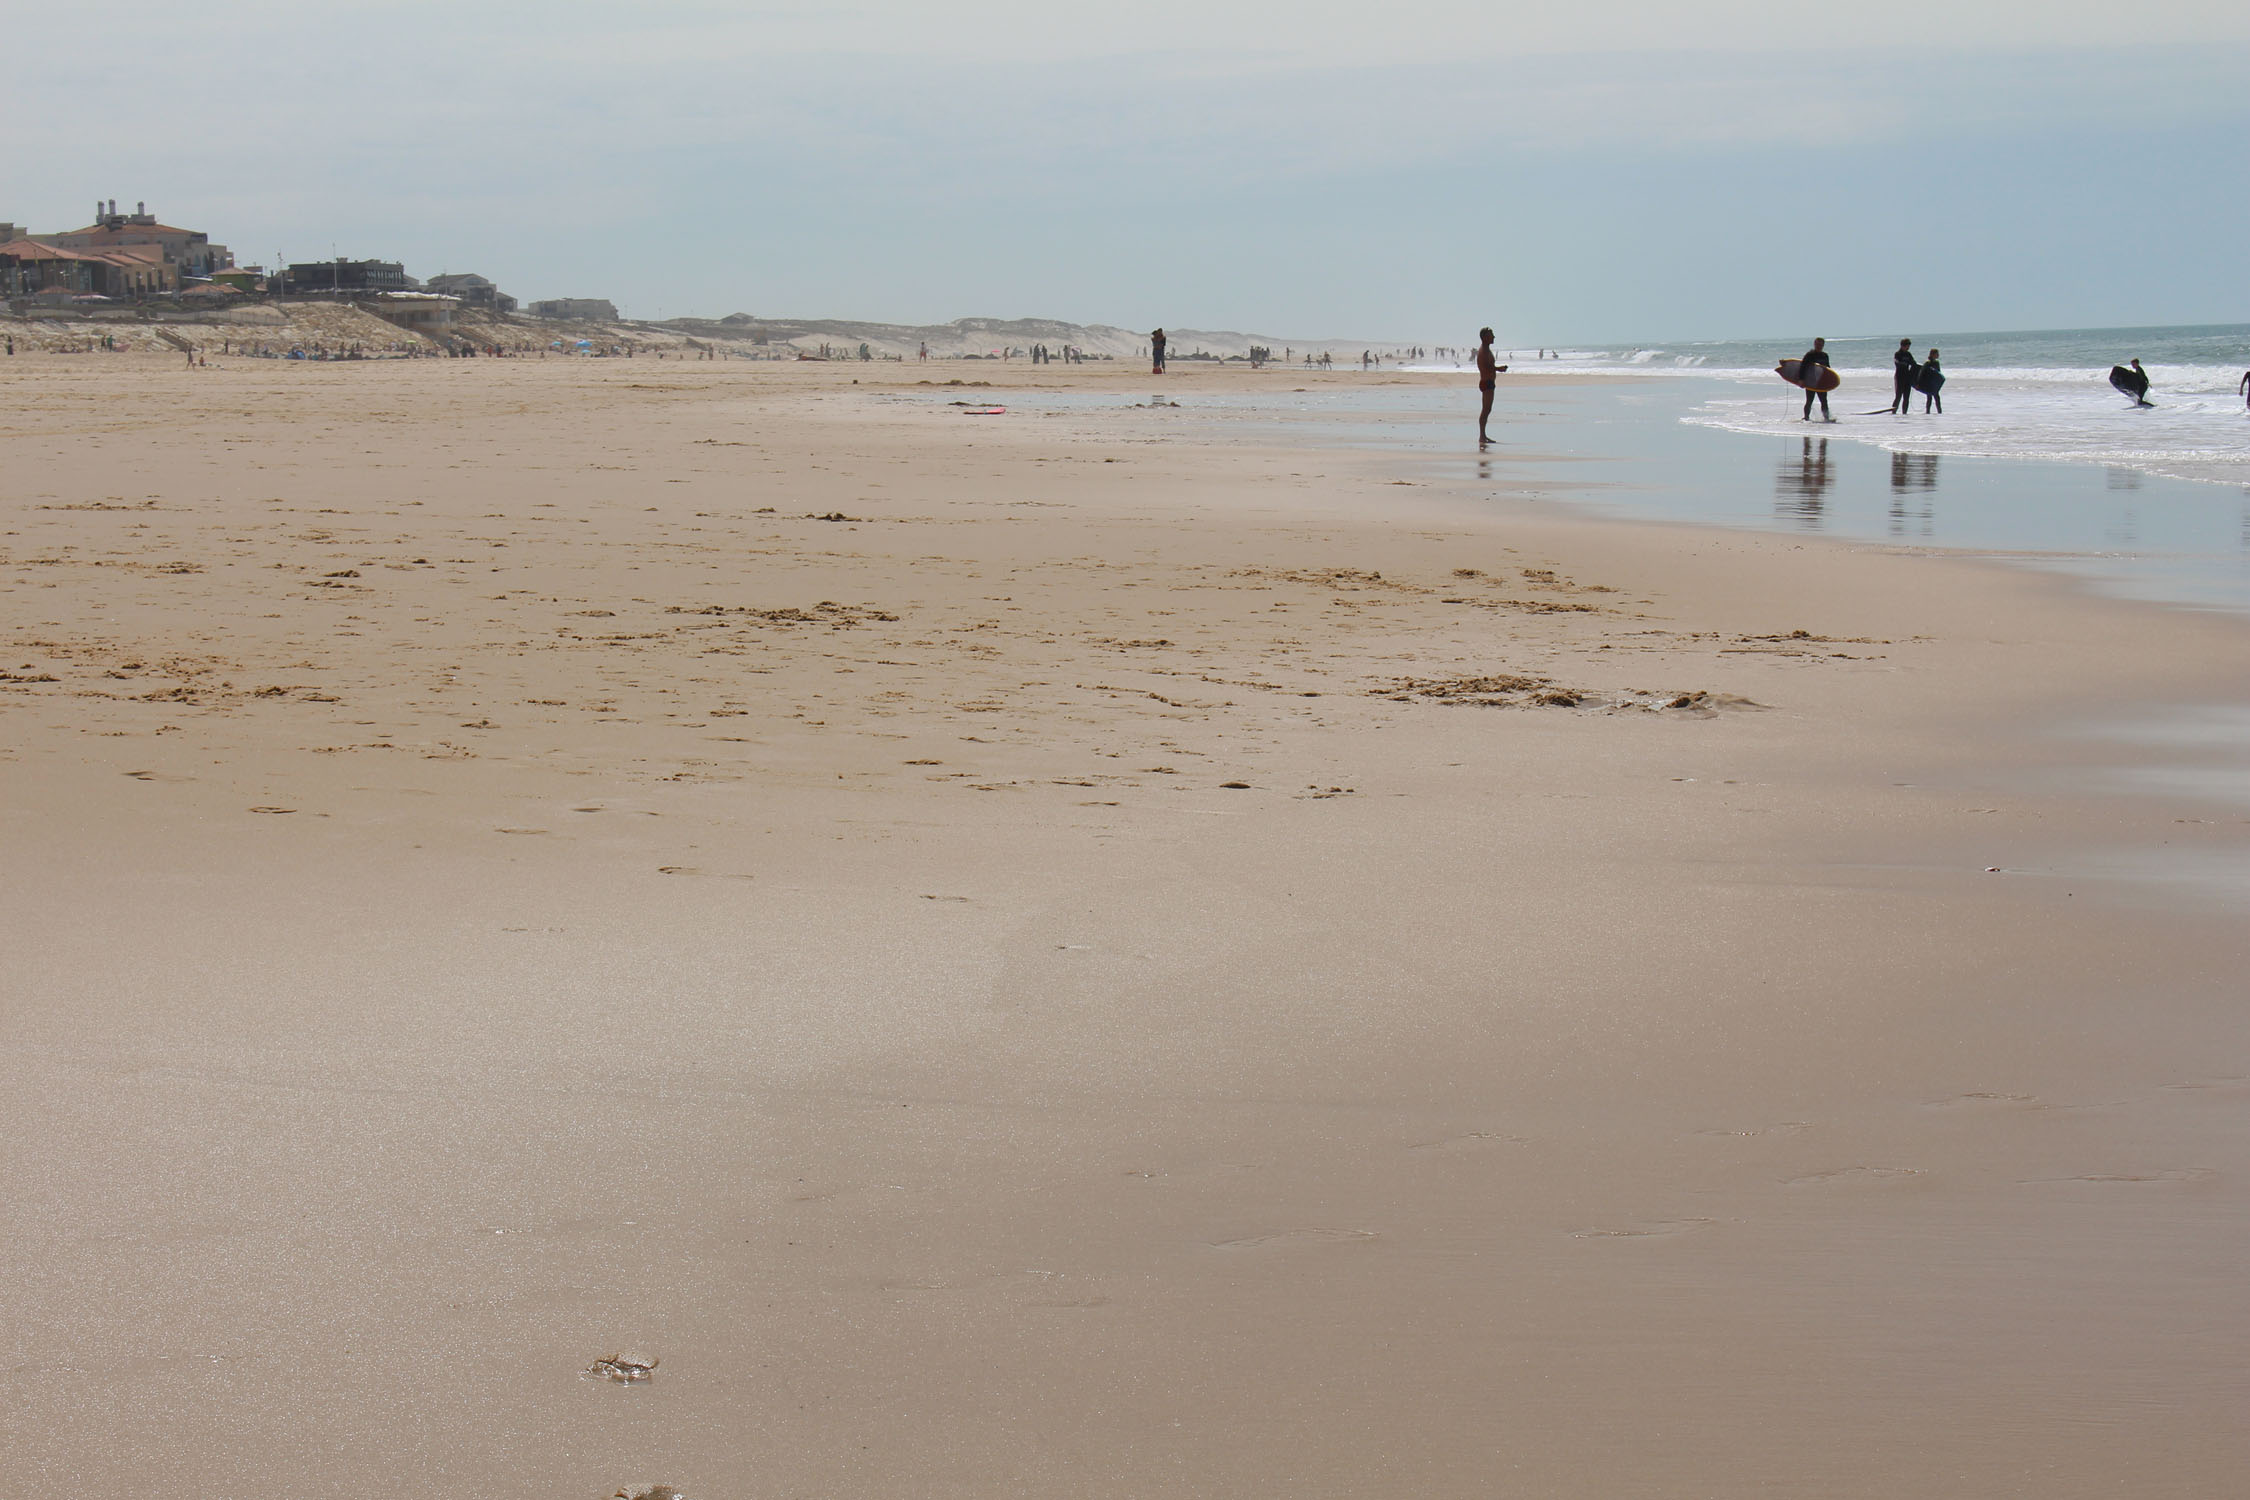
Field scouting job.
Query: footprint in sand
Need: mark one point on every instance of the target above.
(1652, 1229)
(1857, 1174)
(1290, 1237)
(2166, 1174)
(1470, 1140)
(1983, 1098)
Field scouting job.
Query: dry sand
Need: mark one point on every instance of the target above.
(1095, 974)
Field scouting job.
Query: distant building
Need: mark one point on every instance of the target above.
(473, 290)
(420, 311)
(30, 269)
(131, 271)
(189, 252)
(347, 276)
(577, 309)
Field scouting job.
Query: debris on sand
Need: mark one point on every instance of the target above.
(827, 612)
(624, 1369)
(1508, 690)
(1497, 691)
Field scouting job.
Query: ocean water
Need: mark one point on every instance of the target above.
(2038, 395)
(2036, 460)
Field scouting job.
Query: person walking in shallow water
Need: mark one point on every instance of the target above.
(1903, 371)
(2243, 386)
(1816, 358)
(1930, 379)
(1156, 352)
(1488, 381)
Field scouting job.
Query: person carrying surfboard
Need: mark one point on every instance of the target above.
(1930, 380)
(1488, 380)
(1903, 371)
(2132, 382)
(1815, 358)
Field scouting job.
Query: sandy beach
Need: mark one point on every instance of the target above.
(1056, 956)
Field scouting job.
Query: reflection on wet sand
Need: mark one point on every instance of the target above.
(1802, 483)
(1913, 474)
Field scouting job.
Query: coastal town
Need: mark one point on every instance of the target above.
(132, 282)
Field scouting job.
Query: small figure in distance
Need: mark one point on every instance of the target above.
(1156, 351)
(1932, 378)
(1816, 356)
(2142, 398)
(1903, 371)
(1488, 380)
(2243, 385)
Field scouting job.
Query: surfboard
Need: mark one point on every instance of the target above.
(2130, 383)
(1928, 380)
(1827, 380)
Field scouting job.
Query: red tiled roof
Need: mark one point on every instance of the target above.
(33, 250)
(133, 229)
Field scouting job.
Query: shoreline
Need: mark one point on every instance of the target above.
(576, 908)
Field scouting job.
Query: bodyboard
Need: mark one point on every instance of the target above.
(2128, 382)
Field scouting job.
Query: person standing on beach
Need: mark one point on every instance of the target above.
(1156, 351)
(1903, 371)
(1488, 381)
(2244, 385)
(1815, 358)
(1931, 377)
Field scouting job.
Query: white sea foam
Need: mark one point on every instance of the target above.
(2037, 395)
(2196, 430)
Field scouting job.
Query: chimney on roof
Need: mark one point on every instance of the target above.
(141, 209)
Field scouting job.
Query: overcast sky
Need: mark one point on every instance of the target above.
(1601, 171)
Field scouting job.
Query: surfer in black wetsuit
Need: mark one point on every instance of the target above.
(1930, 378)
(1903, 371)
(1815, 357)
(2243, 386)
(2140, 398)
(1488, 380)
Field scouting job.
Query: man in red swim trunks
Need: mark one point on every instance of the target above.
(1488, 379)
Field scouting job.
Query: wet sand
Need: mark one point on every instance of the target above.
(1039, 957)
